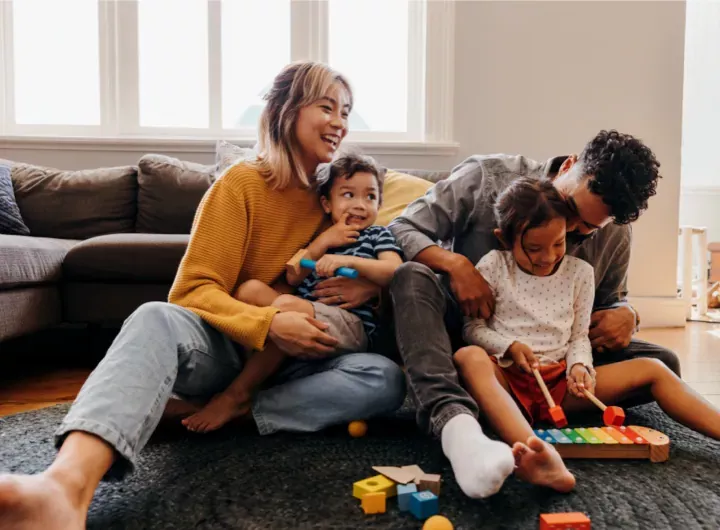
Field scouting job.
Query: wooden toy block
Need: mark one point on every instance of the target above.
(396, 474)
(632, 442)
(415, 470)
(357, 428)
(404, 492)
(556, 412)
(564, 521)
(611, 415)
(424, 504)
(294, 263)
(374, 503)
(429, 483)
(377, 484)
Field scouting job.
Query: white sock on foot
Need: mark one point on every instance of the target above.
(481, 465)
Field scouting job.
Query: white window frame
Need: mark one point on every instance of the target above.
(430, 79)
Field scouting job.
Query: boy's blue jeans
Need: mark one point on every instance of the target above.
(164, 348)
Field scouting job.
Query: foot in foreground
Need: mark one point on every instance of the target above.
(222, 409)
(539, 463)
(39, 502)
(480, 464)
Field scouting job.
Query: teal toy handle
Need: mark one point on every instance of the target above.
(341, 271)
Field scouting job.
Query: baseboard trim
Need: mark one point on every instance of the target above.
(660, 312)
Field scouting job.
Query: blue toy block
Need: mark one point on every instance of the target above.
(424, 504)
(404, 492)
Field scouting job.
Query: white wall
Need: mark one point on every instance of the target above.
(700, 197)
(541, 78)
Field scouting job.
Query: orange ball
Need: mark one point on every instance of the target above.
(438, 522)
(357, 428)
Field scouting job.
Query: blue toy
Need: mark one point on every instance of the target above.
(404, 492)
(424, 504)
(341, 271)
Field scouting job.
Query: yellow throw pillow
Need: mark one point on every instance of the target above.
(399, 190)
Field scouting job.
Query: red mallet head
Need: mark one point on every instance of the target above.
(614, 416)
(558, 417)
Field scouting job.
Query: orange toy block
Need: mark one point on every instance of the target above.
(564, 521)
(374, 503)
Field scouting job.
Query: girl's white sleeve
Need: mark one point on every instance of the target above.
(580, 349)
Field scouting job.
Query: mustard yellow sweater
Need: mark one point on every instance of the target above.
(242, 230)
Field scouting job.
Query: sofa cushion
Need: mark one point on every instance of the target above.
(170, 192)
(76, 204)
(227, 155)
(399, 190)
(26, 260)
(147, 258)
(11, 222)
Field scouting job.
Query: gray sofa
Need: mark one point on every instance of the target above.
(103, 241)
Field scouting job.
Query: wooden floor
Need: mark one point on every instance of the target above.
(31, 386)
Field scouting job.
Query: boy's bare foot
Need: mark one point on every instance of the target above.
(539, 463)
(221, 409)
(39, 502)
(179, 409)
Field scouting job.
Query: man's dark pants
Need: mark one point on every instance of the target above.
(428, 327)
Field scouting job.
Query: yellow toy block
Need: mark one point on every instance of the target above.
(377, 484)
(374, 502)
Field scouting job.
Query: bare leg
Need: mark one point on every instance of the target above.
(235, 401)
(537, 462)
(616, 381)
(59, 497)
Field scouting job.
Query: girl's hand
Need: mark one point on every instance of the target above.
(580, 378)
(300, 335)
(329, 263)
(340, 234)
(523, 356)
(346, 293)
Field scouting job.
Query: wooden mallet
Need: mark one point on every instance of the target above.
(556, 412)
(611, 415)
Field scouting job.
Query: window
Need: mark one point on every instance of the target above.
(200, 68)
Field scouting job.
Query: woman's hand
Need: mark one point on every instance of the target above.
(523, 356)
(340, 234)
(580, 378)
(300, 335)
(345, 292)
(329, 263)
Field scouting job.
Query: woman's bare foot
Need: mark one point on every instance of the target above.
(221, 409)
(39, 502)
(539, 463)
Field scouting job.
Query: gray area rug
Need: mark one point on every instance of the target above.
(236, 479)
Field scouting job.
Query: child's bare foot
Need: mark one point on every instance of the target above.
(30, 502)
(539, 463)
(221, 409)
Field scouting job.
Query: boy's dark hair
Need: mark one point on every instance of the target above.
(623, 171)
(528, 203)
(346, 166)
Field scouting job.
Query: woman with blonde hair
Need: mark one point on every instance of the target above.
(247, 226)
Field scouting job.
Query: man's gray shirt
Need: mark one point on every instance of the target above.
(458, 213)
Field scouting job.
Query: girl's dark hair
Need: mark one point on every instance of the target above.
(525, 204)
(346, 166)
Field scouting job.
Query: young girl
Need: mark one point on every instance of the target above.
(248, 225)
(544, 300)
(350, 190)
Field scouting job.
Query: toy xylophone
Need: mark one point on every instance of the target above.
(608, 442)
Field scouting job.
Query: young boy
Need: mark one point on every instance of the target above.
(350, 191)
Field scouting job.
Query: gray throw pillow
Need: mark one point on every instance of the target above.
(11, 222)
(227, 155)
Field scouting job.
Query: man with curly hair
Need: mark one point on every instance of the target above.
(447, 231)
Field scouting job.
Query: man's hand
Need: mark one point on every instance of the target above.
(611, 329)
(523, 356)
(339, 235)
(346, 293)
(471, 290)
(579, 378)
